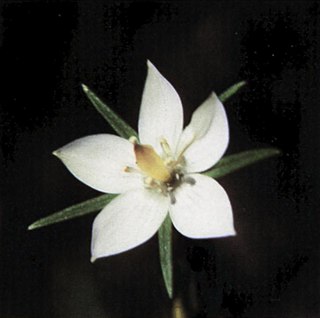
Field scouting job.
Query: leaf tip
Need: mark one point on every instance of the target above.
(93, 259)
(32, 226)
(170, 293)
(242, 83)
(275, 152)
(85, 88)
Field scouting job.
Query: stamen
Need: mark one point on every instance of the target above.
(187, 142)
(165, 147)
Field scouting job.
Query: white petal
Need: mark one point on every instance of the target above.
(128, 221)
(161, 114)
(206, 138)
(99, 161)
(202, 210)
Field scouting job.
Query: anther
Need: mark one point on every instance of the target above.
(130, 169)
(127, 169)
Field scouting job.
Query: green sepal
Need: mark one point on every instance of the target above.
(165, 251)
(115, 121)
(231, 91)
(240, 160)
(74, 211)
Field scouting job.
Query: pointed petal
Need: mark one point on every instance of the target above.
(128, 221)
(202, 210)
(206, 138)
(161, 114)
(100, 160)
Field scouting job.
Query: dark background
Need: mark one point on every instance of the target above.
(47, 49)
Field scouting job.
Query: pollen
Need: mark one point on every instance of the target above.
(151, 163)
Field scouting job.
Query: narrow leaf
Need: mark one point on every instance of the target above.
(115, 121)
(165, 251)
(240, 160)
(74, 211)
(231, 91)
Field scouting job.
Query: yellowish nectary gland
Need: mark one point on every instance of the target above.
(151, 163)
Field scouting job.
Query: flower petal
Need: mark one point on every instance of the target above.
(161, 114)
(206, 138)
(202, 210)
(100, 160)
(128, 221)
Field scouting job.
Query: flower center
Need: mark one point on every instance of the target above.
(151, 163)
(161, 173)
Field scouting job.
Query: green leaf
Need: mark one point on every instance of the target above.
(231, 91)
(120, 126)
(240, 160)
(225, 166)
(165, 251)
(115, 121)
(74, 211)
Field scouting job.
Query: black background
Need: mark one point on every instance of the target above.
(271, 268)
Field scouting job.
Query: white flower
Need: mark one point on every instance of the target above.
(157, 175)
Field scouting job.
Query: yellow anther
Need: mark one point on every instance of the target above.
(151, 163)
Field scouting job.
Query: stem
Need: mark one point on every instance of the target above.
(177, 309)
